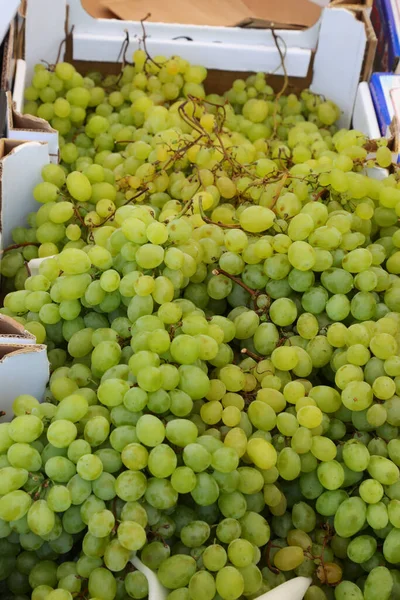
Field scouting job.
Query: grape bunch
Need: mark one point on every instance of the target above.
(220, 301)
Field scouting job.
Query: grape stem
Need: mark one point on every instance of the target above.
(122, 54)
(253, 293)
(144, 38)
(278, 191)
(282, 56)
(320, 194)
(269, 565)
(252, 355)
(16, 246)
(218, 223)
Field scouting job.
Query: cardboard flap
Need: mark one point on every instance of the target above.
(300, 13)
(10, 327)
(223, 13)
(8, 351)
(27, 122)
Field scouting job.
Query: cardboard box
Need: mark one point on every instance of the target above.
(385, 18)
(315, 57)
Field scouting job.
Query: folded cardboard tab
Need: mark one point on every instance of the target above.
(303, 13)
(27, 128)
(24, 369)
(12, 332)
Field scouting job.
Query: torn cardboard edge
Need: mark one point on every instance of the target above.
(9, 350)
(12, 329)
(20, 122)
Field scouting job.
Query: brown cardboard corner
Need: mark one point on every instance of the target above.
(297, 13)
(10, 350)
(26, 122)
(10, 327)
(8, 146)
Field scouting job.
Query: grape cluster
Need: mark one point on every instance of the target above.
(221, 305)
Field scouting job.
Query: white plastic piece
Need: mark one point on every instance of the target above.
(294, 589)
(35, 263)
(290, 590)
(19, 85)
(156, 590)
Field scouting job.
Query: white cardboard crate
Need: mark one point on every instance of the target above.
(335, 37)
(334, 47)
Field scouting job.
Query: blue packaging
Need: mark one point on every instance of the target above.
(385, 18)
(381, 85)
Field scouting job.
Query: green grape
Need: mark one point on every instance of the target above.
(229, 583)
(41, 518)
(176, 571)
(361, 548)
(102, 584)
(350, 517)
(213, 329)
(136, 585)
(379, 578)
(14, 505)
